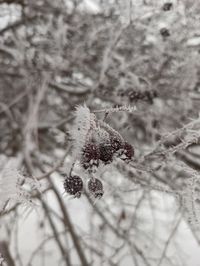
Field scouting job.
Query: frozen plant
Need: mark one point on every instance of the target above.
(73, 185)
(12, 188)
(94, 143)
(95, 187)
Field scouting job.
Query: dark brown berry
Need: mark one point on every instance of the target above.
(90, 156)
(155, 94)
(106, 152)
(148, 96)
(95, 187)
(73, 185)
(164, 32)
(155, 123)
(127, 152)
(167, 6)
(122, 74)
(116, 143)
(134, 95)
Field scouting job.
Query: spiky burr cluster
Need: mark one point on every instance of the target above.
(95, 187)
(73, 185)
(95, 143)
(101, 144)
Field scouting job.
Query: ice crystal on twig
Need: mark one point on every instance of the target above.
(129, 109)
(189, 199)
(12, 188)
(84, 120)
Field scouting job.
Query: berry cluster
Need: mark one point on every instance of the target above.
(167, 6)
(105, 150)
(95, 143)
(73, 185)
(164, 32)
(90, 156)
(136, 95)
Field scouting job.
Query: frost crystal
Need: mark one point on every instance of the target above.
(83, 122)
(12, 188)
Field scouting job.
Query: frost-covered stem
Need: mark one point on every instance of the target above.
(173, 232)
(67, 222)
(129, 109)
(72, 167)
(57, 239)
(55, 168)
(70, 226)
(117, 232)
(40, 246)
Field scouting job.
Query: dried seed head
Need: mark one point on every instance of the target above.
(113, 134)
(164, 32)
(95, 187)
(80, 129)
(90, 156)
(116, 143)
(106, 152)
(73, 185)
(167, 6)
(127, 152)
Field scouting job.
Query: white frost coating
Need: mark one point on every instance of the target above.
(15, 187)
(83, 122)
(110, 130)
(101, 136)
(193, 41)
(90, 6)
(10, 188)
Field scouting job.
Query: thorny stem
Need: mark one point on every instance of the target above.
(68, 223)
